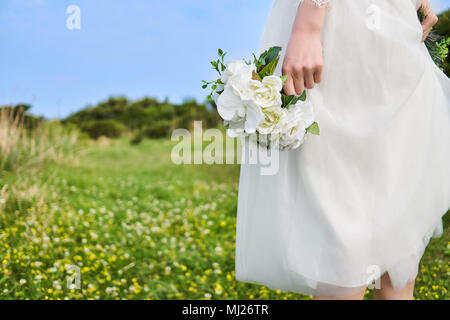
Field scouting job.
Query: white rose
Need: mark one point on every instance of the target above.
(241, 115)
(298, 118)
(246, 104)
(242, 83)
(231, 69)
(272, 120)
(235, 104)
(267, 93)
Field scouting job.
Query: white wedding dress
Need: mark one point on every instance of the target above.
(365, 197)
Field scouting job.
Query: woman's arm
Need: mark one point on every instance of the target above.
(303, 62)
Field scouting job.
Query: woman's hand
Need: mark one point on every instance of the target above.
(303, 62)
(430, 18)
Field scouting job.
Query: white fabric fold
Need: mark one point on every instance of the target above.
(372, 188)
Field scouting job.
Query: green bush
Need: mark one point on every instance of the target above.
(109, 128)
(137, 139)
(159, 129)
(147, 117)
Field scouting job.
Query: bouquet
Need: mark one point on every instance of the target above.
(251, 101)
(437, 45)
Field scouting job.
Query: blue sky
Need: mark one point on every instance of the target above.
(157, 48)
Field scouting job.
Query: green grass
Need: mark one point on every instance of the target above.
(139, 227)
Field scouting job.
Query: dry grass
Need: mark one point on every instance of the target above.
(21, 148)
(25, 153)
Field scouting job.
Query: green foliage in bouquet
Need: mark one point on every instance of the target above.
(267, 62)
(220, 67)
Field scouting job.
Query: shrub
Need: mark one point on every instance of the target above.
(158, 129)
(137, 139)
(109, 128)
(149, 117)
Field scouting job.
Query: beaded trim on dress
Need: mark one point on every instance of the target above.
(318, 3)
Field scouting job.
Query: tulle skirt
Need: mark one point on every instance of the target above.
(365, 197)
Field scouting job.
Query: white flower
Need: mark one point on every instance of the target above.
(272, 120)
(236, 106)
(22, 282)
(232, 67)
(235, 128)
(293, 126)
(248, 105)
(267, 93)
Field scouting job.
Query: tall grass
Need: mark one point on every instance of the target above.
(21, 148)
(25, 153)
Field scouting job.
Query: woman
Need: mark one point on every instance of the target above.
(358, 204)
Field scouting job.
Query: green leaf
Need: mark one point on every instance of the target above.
(255, 76)
(272, 54)
(290, 100)
(220, 51)
(283, 79)
(269, 69)
(302, 96)
(314, 129)
(255, 59)
(267, 57)
(287, 100)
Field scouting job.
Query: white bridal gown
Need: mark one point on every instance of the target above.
(365, 197)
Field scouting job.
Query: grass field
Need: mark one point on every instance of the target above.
(138, 227)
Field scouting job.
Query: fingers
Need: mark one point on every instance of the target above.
(425, 35)
(299, 81)
(309, 78)
(427, 24)
(318, 75)
(430, 20)
(301, 77)
(289, 88)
